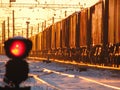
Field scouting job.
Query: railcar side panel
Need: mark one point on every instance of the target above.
(83, 27)
(97, 24)
(39, 41)
(114, 21)
(77, 29)
(53, 38)
(33, 39)
(63, 33)
(44, 40)
(48, 38)
(73, 23)
(67, 28)
(58, 32)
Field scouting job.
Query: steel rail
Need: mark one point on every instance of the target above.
(44, 82)
(81, 77)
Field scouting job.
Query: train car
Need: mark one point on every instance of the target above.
(114, 32)
(53, 41)
(72, 31)
(65, 37)
(83, 35)
(58, 29)
(53, 38)
(83, 27)
(48, 38)
(89, 36)
(2, 48)
(97, 24)
(74, 35)
(63, 33)
(33, 51)
(58, 35)
(46, 41)
(96, 33)
(39, 44)
(114, 22)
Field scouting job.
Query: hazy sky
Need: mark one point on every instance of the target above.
(46, 13)
(39, 15)
(88, 2)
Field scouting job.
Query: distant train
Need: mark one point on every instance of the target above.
(89, 36)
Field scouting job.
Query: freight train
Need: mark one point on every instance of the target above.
(91, 35)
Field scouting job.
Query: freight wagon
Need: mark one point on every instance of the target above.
(91, 35)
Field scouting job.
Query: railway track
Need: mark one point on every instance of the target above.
(58, 79)
(48, 85)
(82, 77)
(75, 63)
(54, 76)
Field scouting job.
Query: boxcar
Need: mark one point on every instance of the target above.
(114, 21)
(44, 39)
(58, 35)
(73, 30)
(63, 33)
(83, 35)
(97, 22)
(39, 44)
(39, 41)
(92, 35)
(53, 38)
(33, 39)
(48, 38)
(96, 52)
(83, 27)
(74, 36)
(114, 32)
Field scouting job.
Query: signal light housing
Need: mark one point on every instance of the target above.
(17, 47)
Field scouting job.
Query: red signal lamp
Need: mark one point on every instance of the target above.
(17, 48)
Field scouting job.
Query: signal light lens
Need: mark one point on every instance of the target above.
(17, 48)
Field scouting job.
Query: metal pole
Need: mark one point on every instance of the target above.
(3, 32)
(65, 13)
(53, 20)
(8, 27)
(38, 28)
(27, 32)
(42, 25)
(13, 23)
(9, 3)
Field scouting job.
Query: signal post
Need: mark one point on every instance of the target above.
(17, 69)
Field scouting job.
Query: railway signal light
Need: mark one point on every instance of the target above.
(17, 47)
(17, 68)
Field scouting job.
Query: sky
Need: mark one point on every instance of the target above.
(39, 12)
(50, 1)
(39, 15)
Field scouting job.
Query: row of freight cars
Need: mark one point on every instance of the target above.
(89, 36)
